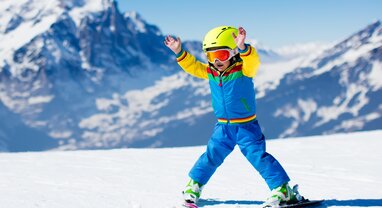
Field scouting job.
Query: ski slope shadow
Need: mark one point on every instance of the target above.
(353, 202)
(210, 202)
(327, 203)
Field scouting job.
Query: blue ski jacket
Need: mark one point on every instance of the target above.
(232, 91)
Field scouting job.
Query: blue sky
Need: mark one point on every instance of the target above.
(274, 23)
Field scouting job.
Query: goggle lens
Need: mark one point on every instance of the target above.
(222, 55)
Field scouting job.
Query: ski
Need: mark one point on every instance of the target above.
(302, 203)
(190, 205)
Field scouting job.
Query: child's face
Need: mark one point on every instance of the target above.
(221, 66)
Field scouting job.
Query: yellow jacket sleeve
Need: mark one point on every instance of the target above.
(251, 61)
(190, 65)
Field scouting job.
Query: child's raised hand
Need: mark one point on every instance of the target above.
(174, 44)
(240, 38)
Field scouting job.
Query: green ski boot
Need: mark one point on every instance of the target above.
(192, 192)
(282, 195)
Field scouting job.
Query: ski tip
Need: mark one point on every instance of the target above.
(190, 205)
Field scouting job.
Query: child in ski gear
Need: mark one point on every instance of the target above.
(232, 65)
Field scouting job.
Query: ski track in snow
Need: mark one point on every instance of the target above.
(344, 169)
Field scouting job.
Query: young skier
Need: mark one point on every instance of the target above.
(232, 64)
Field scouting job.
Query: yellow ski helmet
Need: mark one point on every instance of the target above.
(220, 37)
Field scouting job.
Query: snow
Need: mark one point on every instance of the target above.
(354, 91)
(91, 6)
(302, 49)
(37, 17)
(356, 49)
(358, 122)
(60, 134)
(301, 113)
(344, 169)
(36, 21)
(39, 99)
(293, 56)
(139, 24)
(120, 115)
(375, 76)
(270, 74)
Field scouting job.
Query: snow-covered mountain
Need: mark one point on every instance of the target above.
(82, 75)
(338, 91)
(57, 57)
(342, 169)
(68, 67)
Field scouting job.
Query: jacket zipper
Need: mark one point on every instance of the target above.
(222, 91)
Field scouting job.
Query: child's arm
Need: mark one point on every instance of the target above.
(251, 60)
(187, 61)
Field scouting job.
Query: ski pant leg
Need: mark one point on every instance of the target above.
(219, 147)
(252, 144)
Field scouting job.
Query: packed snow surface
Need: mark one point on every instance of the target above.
(344, 169)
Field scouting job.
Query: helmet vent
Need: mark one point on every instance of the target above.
(219, 37)
(223, 30)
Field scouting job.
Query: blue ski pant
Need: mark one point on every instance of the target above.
(251, 142)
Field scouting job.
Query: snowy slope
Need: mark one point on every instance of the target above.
(344, 169)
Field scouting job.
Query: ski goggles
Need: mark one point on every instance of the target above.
(220, 54)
